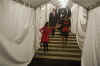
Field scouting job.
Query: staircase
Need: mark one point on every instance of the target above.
(61, 50)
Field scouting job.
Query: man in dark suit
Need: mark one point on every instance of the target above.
(53, 20)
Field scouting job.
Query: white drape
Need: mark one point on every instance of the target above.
(78, 23)
(82, 21)
(74, 20)
(38, 13)
(91, 53)
(16, 34)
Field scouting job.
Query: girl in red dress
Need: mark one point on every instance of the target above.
(45, 32)
(65, 29)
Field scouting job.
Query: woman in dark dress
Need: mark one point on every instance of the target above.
(64, 29)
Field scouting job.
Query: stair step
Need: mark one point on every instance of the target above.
(74, 50)
(60, 39)
(69, 38)
(63, 45)
(59, 58)
(57, 32)
(64, 54)
(60, 36)
(62, 42)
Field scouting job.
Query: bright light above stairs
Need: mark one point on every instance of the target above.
(63, 3)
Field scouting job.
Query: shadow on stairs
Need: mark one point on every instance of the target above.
(51, 62)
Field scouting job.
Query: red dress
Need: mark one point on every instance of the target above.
(65, 27)
(45, 31)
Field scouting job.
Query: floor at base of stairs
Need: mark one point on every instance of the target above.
(49, 62)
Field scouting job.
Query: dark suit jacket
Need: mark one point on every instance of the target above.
(52, 19)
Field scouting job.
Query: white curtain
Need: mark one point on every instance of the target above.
(74, 18)
(38, 22)
(81, 30)
(78, 23)
(16, 34)
(91, 53)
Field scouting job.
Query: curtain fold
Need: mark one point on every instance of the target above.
(78, 23)
(16, 33)
(91, 53)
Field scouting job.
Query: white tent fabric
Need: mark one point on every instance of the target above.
(16, 34)
(78, 23)
(74, 20)
(38, 12)
(82, 19)
(62, 3)
(91, 53)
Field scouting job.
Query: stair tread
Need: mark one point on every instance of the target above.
(63, 41)
(66, 42)
(60, 33)
(63, 45)
(64, 48)
(61, 36)
(60, 39)
(74, 50)
(61, 53)
(59, 58)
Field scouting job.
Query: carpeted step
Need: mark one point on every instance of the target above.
(74, 50)
(59, 58)
(60, 39)
(68, 33)
(62, 42)
(62, 54)
(63, 45)
(60, 36)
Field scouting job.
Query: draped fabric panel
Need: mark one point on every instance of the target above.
(74, 19)
(91, 53)
(81, 30)
(16, 33)
(78, 23)
(38, 13)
